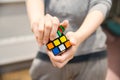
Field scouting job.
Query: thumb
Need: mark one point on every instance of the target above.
(71, 37)
(65, 23)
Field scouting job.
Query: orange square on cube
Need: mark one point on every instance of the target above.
(50, 45)
(67, 44)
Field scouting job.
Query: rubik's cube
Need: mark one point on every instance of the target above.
(60, 44)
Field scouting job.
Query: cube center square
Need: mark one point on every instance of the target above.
(56, 42)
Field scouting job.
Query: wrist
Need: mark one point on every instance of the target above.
(80, 37)
(74, 39)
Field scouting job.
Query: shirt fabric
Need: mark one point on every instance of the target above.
(75, 11)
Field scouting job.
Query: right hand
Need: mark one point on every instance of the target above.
(46, 29)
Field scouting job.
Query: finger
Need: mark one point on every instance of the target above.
(39, 42)
(41, 31)
(56, 58)
(55, 24)
(34, 26)
(70, 37)
(53, 63)
(51, 56)
(61, 58)
(65, 23)
(48, 26)
(36, 33)
(65, 56)
(60, 65)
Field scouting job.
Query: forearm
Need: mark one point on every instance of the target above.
(35, 9)
(90, 24)
(98, 10)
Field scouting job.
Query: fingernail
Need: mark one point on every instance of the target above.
(52, 38)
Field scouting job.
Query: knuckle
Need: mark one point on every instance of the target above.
(48, 27)
(51, 58)
(32, 29)
(46, 36)
(60, 66)
(53, 35)
(55, 21)
(45, 39)
(34, 26)
(36, 37)
(40, 30)
(39, 39)
(55, 24)
(61, 60)
(71, 57)
(48, 16)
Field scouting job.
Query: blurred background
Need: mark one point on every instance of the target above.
(18, 46)
(17, 43)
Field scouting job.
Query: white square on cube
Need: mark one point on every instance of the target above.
(62, 47)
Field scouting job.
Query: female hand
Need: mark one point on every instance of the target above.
(61, 60)
(46, 29)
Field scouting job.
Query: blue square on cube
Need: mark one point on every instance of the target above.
(56, 51)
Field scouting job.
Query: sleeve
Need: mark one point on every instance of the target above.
(101, 5)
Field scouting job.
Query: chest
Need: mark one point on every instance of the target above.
(67, 7)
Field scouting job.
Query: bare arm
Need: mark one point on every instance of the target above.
(92, 21)
(98, 10)
(96, 15)
(44, 26)
(90, 24)
(35, 9)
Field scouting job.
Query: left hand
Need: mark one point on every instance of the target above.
(62, 59)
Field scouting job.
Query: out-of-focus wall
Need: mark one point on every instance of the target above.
(17, 43)
(11, 1)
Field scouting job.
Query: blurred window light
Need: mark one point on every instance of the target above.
(11, 1)
(14, 40)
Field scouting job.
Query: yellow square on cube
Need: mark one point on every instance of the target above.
(63, 39)
(56, 42)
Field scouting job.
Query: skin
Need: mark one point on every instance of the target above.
(45, 27)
